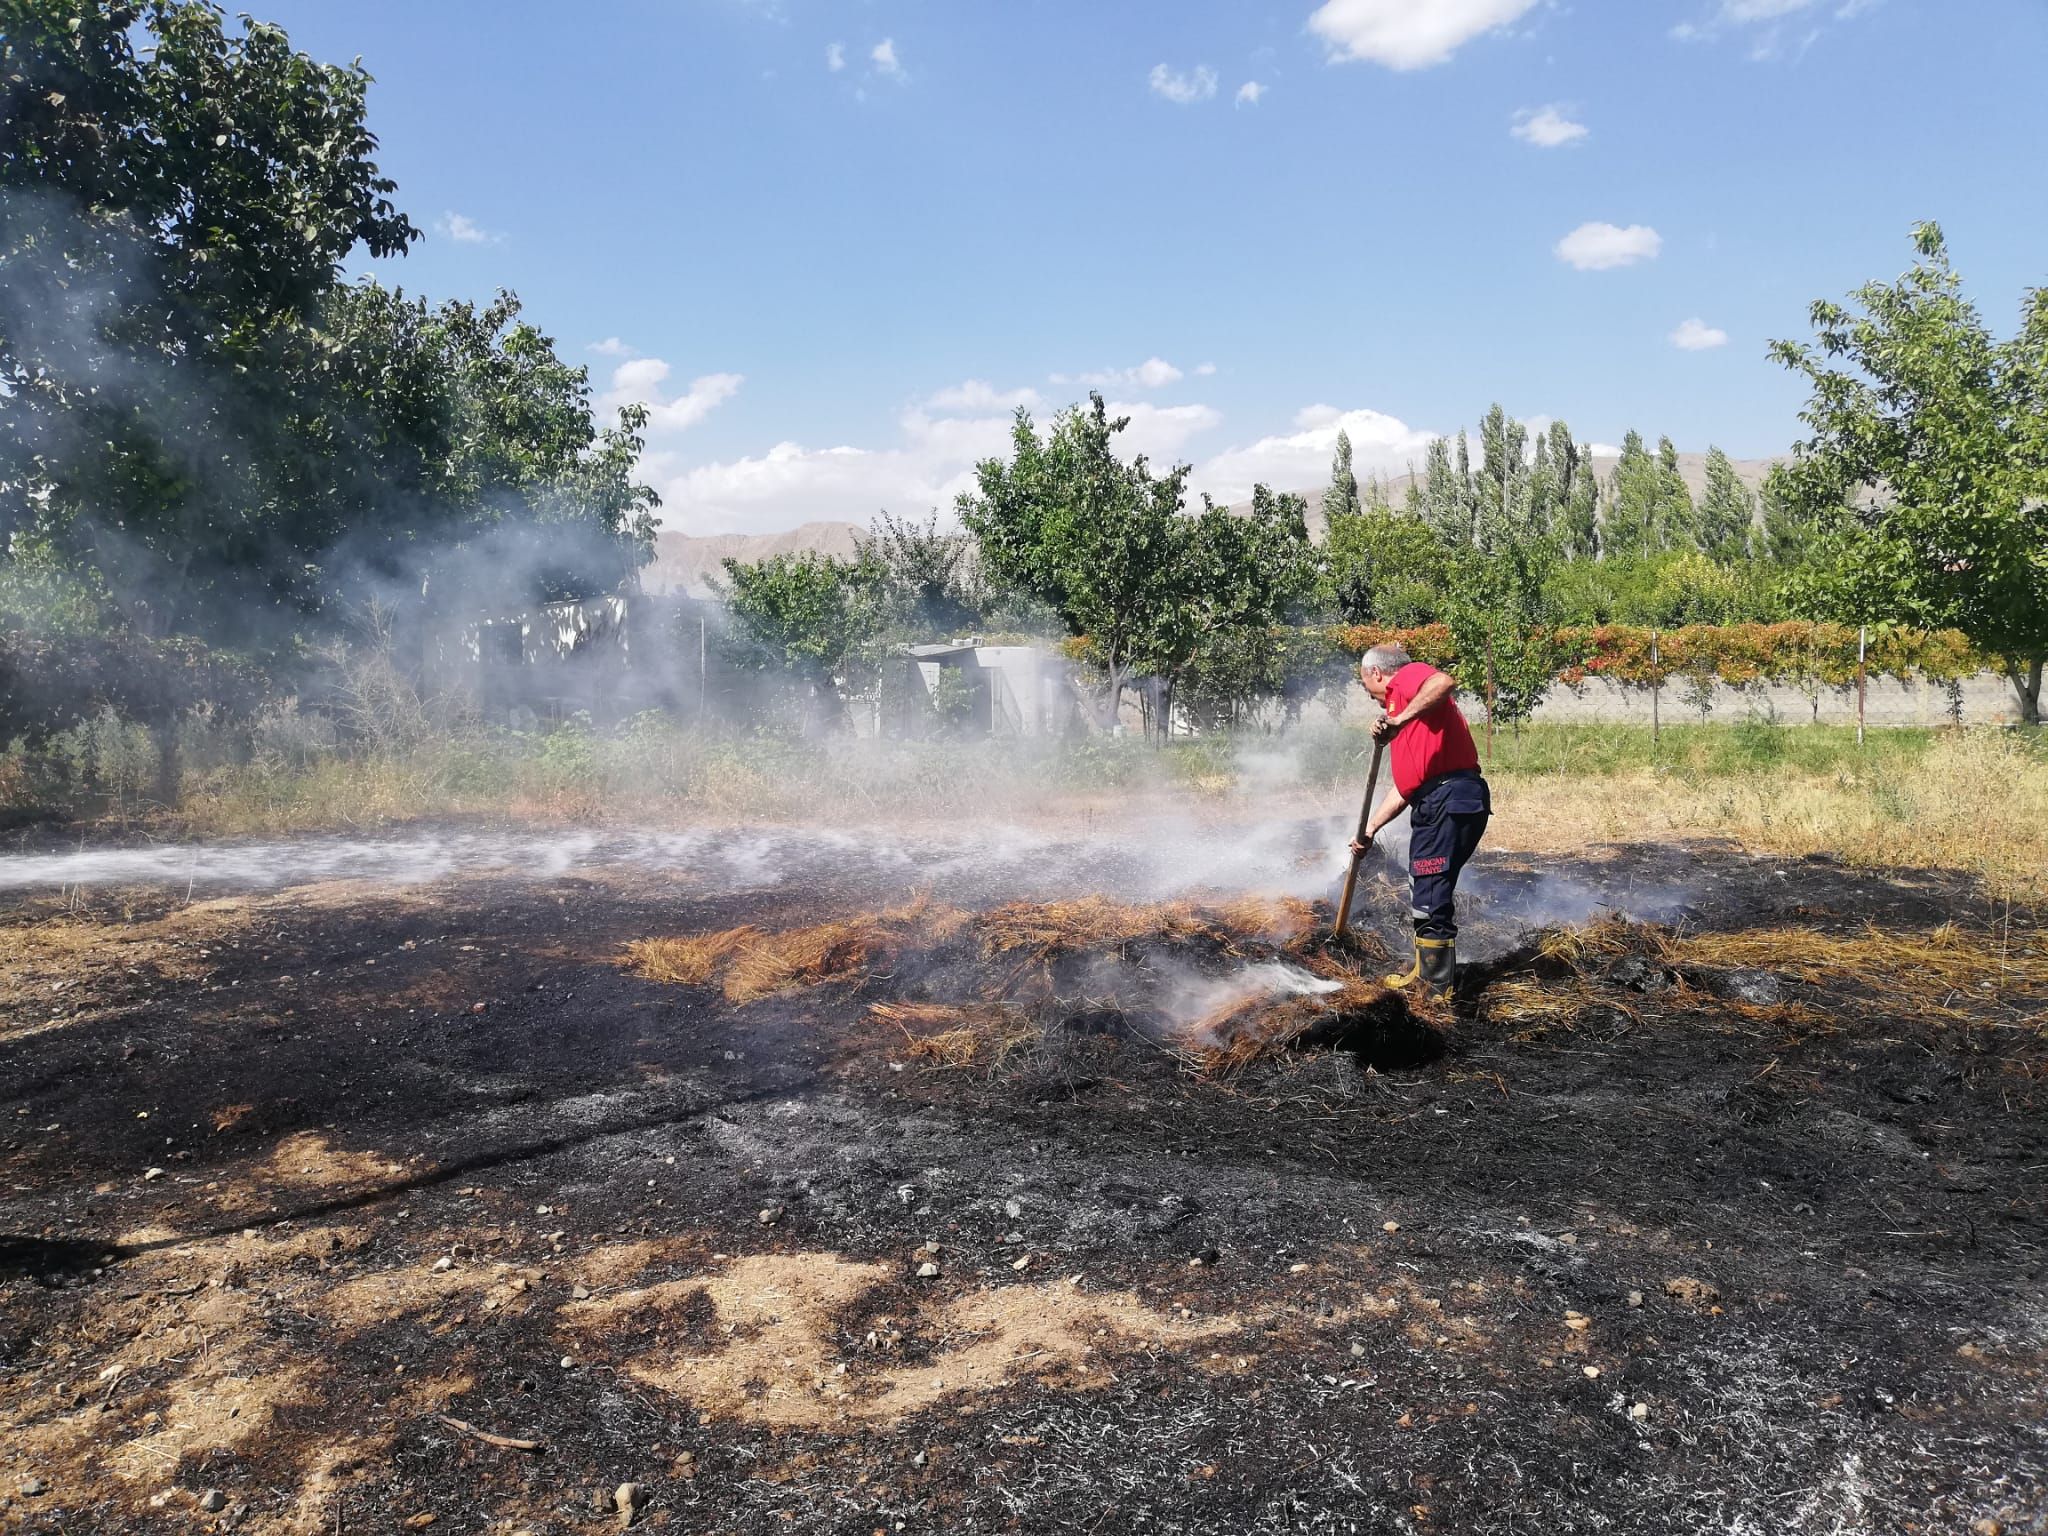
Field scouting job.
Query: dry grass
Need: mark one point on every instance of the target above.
(1043, 930)
(959, 1034)
(687, 962)
(1976, 801)
(751, 963)
(1910, 976)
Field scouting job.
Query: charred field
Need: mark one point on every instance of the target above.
(856, 1185)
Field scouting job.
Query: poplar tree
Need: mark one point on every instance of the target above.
(1631, 523)
(1577, 530)
(1341, 499)
(1500, 491)
(1727, 511)
(1674, 519)
(1443, 502)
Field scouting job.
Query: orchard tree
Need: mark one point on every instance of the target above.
(1233, 579)
(1067, 523)
(928, 575)
(810, 620)
(1383, 567)
(1927, 463)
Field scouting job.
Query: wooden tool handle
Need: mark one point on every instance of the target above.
(1372, 782)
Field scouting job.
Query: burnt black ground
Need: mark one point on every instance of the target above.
(1864, 1201)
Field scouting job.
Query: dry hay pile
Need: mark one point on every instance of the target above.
(1014, 992)
(750, 963)
(1042, 931)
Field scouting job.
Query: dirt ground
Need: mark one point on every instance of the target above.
(397, 1199)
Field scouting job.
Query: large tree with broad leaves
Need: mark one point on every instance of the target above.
(1926, 463)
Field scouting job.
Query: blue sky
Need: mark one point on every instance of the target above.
(833, 241)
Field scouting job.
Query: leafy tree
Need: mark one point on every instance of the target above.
(1384, 567)
(1727, 511)
(811, 620)
(1927, 463)
(195, 416)
(1789, 529)
(1066, 522)
(928, 574)
(1341, 499)
(1231, 581)
(1498, 607)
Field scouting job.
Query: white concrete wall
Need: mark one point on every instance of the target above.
(1987, 699)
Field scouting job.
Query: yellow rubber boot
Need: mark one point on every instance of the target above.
(1435, 965)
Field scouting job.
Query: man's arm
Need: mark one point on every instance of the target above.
(1390, 807)
(1437, 687)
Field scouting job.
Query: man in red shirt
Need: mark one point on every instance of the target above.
(1437, 781)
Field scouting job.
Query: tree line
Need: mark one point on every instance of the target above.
(1917, 503)
(217, 454)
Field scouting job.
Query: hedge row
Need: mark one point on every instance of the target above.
(1741, 655)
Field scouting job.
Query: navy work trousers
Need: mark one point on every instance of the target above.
(1446, 820)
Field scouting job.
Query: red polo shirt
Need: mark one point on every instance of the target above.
(1434, 742)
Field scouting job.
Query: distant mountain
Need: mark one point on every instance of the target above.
(683, 562)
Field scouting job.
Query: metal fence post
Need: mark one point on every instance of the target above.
(1656, 690)
(1862, 672)
(1489, 701)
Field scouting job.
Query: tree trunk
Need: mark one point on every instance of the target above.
(1113, 714)
(2026, 682)
(169, 772)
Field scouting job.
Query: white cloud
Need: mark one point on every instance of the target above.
(611, 346)
(979, 395)
(1763, 22)
(1738, 12)
(1249, 93)
(932, 461)
(640, 380)
(1153, 373)
(1162, 432)
(835, 57)
(1695, 335)
(1199, 84)
(1595, 247)
(1547, 127)
(464, 230)
(885, 61)
(1380, 444)
(1203, 370)
(1409, 34)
